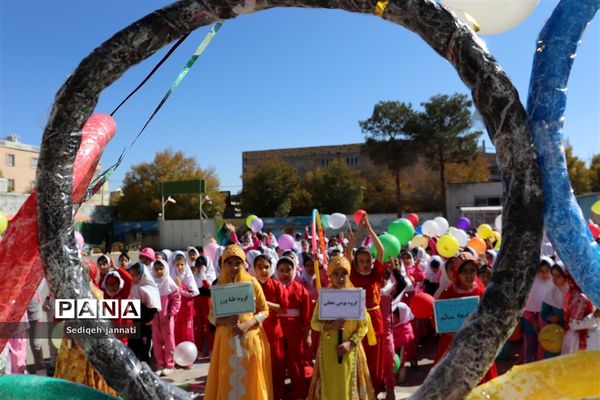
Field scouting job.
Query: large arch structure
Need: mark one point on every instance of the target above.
(494, 95)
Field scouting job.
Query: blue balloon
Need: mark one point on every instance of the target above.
(554, 56)
(419, 230)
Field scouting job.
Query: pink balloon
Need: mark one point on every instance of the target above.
(210, 250)
(286, 242)
(358, 215)
(79, 240)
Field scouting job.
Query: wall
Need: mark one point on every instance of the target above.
(23, 171)
(179, 234)
(464, 194)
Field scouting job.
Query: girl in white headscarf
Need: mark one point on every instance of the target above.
(188, 289)
(433, 274)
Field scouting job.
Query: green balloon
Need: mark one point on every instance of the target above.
(325, 221)
(396, 362)
(402, 229)
(391, 246)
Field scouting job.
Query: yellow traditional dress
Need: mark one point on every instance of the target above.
(245, 376)
(349, 380)
(73, 365)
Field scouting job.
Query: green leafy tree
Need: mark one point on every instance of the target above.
(443, 134)
(336, 188)
(301, 200)
(141, 200)
(268, 188)
(579, 174)
(388, 140)
(595, 173)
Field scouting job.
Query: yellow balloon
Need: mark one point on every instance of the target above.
(551, 338)
(498, 243)
(3, 222)
(419, 241)
(58, 333)
(250, 219)
(596, 207)
(485, 231)
(447, 246)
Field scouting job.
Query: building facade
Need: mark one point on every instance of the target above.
(18, 164)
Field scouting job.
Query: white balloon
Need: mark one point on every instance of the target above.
(442, 224)
(185, 354)
(430, 228)
(461, 236)
(492, 16)
(498, 223)
(337, 220)
(547, 249)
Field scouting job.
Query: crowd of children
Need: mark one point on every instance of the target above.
(252, 354)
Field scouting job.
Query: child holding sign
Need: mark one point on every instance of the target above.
(240, 368)
(348, 379)
(462, 271)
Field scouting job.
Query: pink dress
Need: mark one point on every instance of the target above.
(163, 330)
(184, 321)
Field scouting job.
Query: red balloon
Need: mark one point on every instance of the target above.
(358, 215)
(422, 305)
(413, 218)
(595, 229)
(516, 335)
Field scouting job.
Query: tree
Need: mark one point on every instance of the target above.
(141, 200)
(442, 133)
(387, 140)
(336, 188)
(301, 200)
(476, 171)
(595, 173)
(268, 188)
(579, 175)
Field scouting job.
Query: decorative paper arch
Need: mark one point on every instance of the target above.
(494, 95)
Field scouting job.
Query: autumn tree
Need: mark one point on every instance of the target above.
(141, 200)
(476, 171)
(336, 188)
(268, 188)
(387, 140)
(443, 135)
(579, 175)
(595, 173)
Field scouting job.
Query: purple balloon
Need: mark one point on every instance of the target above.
(463, 223)
(256, 225)
(286, 242)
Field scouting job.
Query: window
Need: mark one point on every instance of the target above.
(11, 185)
(10, 160)
(34, 163)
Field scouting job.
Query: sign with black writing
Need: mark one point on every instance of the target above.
(450, 314)
(232, 299)
(342, 304)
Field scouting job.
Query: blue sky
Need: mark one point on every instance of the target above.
(275, 79)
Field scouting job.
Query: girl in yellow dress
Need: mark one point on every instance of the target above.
(245, 374)
(349, 379)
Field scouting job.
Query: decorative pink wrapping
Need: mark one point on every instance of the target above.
(20, 263)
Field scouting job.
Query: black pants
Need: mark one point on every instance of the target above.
(141, 347)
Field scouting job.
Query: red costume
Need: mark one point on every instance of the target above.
(295, 324)
(202, 304)
(310, 283)
(124, 279)
(184, 320)
(275, 293)
(375, 354)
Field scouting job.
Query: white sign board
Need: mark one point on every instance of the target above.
(342, 304)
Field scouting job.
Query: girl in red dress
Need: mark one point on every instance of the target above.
(184, 279)
(462, 271)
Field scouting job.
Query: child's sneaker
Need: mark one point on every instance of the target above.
(167, 371)
(159, 372)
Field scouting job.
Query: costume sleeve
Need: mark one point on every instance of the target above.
(283, 298)
(185, 292)
(400, 282)
(378, 270)
(262, 309)
(127, 281)
(174, 304)
(305, 305)
(361, 331)
(315, 324)
(588, 322)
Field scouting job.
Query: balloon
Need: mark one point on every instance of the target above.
(485, 231)
(79, 240)
(403, 229)
(185, 354)
(358, 216)
(249, 220)
(3, 222)
(595, 230)
(256, 225)
(422, 305)
(516, 335)
(547, 249)
(461, 236)
(463, 223)
(491, 17)
(447, 246)
(498, 241)
(210, 250)
(396, 362)
(551, 338)
(286, 242)
(477, 244)
(325, 221)
(413, 218)
(419, 241)
(596, 207)
(430, 228)
(337, 220)
(391, 246)
(442, 224)
(498, 223)
(419, 229)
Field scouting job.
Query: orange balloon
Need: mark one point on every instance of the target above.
(477, 244)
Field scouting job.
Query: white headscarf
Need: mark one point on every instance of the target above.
(218, 254)
(445, 282)
(251, 258)
(556, 296)
(293, 274)
(422, 258)
(146, 290)
(187, 257)
(306, 277)
(166, 285)
(166, 254)
(432, 276)
(405, 315)
(118, 276)
(187, 277)
(494, 256)
(539, 290)
(206, 274)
